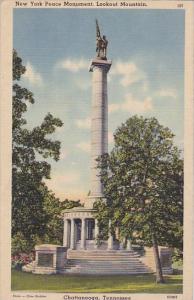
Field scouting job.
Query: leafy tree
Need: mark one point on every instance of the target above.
(143, 186)
(53, 209)
(28, 213)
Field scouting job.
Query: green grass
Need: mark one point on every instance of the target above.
(97, 284)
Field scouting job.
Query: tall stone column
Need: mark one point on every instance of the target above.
(99, 124)
(83, 234)
(72, 241)
(65, 233)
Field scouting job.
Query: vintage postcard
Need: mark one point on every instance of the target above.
(96, 150)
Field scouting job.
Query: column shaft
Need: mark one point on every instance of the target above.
(96, 232)
(129, 246)
(83, 234)
(110, 238)
(99, 122)
(72, 242)
(99, 142)
(96, 229)
(65, 233)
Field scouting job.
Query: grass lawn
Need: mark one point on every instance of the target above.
(95, 284)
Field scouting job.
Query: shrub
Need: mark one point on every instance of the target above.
(21, 245)
(18, 261)
(177, 255)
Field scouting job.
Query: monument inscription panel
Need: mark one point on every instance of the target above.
(45, 260)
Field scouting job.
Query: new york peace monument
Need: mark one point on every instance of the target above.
(80, 227)
(81, 253)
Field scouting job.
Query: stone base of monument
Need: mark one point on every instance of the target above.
(52, 259)
(49, 259)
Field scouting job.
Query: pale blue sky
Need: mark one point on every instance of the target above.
(146, 78)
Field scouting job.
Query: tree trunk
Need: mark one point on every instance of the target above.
(159, 275)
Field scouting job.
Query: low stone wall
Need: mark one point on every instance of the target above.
(165, 258)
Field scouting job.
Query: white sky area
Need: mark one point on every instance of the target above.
(146, 78)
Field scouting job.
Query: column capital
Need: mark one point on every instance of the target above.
(104, 64)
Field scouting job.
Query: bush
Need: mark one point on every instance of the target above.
(177, 255)
(18, 261)
(21, 245)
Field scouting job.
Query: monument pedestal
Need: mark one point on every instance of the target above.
(50, 259)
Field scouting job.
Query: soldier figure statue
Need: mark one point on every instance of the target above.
(101, 44)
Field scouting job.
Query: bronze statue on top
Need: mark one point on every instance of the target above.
(101, 44)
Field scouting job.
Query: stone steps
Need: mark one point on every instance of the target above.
(104, 273)
(99, 263)
(111, 262)
(106, 261)
(109, 258)
(111, 271)
(105, 265)
(111, 255)
(105, 252)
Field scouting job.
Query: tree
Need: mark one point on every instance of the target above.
(143, 186)
(53, 209)
(28, 190)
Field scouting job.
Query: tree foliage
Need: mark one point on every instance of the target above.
(143, 184)
(28, 172)
(53, 209)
